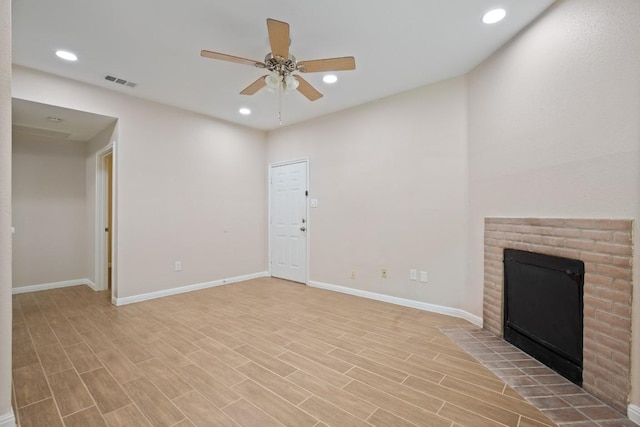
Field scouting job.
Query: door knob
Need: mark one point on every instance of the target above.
(303, 228)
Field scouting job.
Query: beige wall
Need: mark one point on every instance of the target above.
(49, 211)
(189, 188)
(5, 208)
(390, 178)
(554, 128)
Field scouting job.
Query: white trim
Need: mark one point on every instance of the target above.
(188, 288)
(8, 419)
(441, 309)
(633, 412)
(307, 210)
(53, 285)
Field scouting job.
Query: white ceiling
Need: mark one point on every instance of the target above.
(398, 45)
(34, 118)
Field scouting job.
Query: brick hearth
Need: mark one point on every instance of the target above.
(605, 247)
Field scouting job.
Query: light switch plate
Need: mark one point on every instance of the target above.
(423, 276)
(314, 203)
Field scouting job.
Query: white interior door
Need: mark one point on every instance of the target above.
(289, 221)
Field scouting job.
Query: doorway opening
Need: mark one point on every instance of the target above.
(105, 224)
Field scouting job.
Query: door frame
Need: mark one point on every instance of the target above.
(306, 206)
(101, 206)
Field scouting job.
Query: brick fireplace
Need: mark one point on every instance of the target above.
(605, 247)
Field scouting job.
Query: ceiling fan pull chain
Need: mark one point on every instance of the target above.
(280, 103)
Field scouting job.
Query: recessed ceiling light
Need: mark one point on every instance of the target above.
(493, 16)
(330, 78)
(66, 55)
(244, 111)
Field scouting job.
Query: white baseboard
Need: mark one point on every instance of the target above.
(53, 285)
(188, 288)
(8, 420)
(633, 412)
(455, 312)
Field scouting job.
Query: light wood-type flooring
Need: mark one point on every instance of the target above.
(265, 352)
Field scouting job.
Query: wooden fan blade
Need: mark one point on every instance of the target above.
(331, 64)
(230, 58)
(254, 87)
(307, 90)
(278, 38)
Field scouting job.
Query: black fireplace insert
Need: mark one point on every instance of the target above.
(543, 309)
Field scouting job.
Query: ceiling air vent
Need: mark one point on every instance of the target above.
(120, 81)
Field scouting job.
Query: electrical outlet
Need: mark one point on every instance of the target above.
(178, 266)
(423, 276)
(353, 274)
(413, 274)
(383, 273)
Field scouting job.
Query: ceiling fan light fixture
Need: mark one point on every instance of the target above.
(273, 80)
(330, 78)
(493, 16)
(291, 83)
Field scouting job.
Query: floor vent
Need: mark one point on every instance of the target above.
(120, 81)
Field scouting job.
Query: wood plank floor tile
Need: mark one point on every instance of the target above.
(382, 418)
(43, 413)
(401, 391)
(216, 368)
(128, 416)
(152, 403)
(464, 417)
(507, 416)
(54, 359)
(135, 352)
(518, 405)
(167, 354)
(334, 395)
(328, 375)
(330, 414)
(201, 411)
(167, 381)
(23, 353)
(88, 417)
(222, 352)
(120, 367)
(411, 368)
(209, 387)
(324, 359)
(82, 358)
(396, 406)
(30, 385)
(261, 358)
(41, 333)
(278, 408)
(246, 414)
(105, 390)
(370, 365)
(69, 392)
(97, 341)
(183, 346)
(265, 352)
(275, 383)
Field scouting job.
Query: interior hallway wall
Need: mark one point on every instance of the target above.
(190, 188)
(49, 210)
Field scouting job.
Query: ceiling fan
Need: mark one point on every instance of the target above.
(281, 64)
